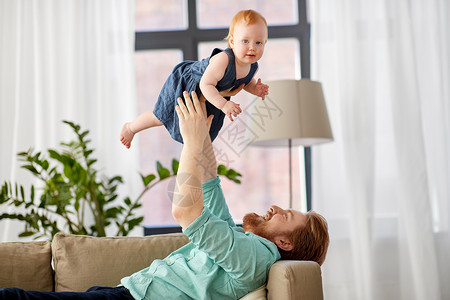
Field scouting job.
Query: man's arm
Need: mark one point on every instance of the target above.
(197, 161)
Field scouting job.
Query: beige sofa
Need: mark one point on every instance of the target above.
(75, 263)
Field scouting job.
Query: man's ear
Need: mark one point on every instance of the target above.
(285, 244)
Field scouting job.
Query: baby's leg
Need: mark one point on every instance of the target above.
(143, 121)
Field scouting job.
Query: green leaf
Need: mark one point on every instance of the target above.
(37, 156)
(110, 199)
(24, 153)
(76, 128)
(232, 173)
(91, 162)
(175, 165)
(134, 222)
(162, 172)
(55, 155)
(80, 193)
(82, 135)
(147, 179)
(113, 212)
(32, 194)
(116, 178)
(236, 180)
(68, 172)
(22, 193)
(45, 165)
(44, 198)
(26, 233)
(71, 124)
(229, 173)
(4, 193)
(31, 168)
(222, 170)
(83, 175)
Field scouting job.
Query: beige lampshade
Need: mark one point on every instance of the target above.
(294, 109)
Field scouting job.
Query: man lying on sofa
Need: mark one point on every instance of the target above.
(222, 261)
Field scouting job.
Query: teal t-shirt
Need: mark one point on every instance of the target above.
(219, 262)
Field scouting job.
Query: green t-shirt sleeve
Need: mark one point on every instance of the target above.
(215, 200)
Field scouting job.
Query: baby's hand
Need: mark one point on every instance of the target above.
(261, 89)
(231, 109)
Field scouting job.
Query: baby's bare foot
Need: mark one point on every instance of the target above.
(126, 135)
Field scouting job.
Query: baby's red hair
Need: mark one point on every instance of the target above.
(248, 16)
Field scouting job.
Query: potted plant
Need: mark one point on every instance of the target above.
(72, 188)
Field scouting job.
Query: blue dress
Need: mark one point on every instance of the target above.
(186, 77)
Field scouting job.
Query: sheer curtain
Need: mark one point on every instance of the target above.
(384, 183)
(66, 60)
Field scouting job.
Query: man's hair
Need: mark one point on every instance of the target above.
(310, 241)
(248, 16)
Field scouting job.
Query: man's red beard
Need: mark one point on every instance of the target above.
(256, 224)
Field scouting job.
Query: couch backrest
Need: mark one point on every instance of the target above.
(84, 261)
(26, 265)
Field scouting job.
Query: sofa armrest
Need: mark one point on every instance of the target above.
(293, 279)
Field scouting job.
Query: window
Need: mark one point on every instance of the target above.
(176, 30)
(218, 14)
(160, 15)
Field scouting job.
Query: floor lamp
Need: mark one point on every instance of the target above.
(293, 114)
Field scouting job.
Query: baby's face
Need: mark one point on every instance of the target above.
(248, 41)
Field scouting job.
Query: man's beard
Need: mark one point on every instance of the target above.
(256, 224)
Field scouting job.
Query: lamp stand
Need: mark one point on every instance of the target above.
(290, 173)
(308, 176)
(308, 169)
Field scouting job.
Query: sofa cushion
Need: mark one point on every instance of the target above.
(84, 261)
(26, 265)
(258, 294)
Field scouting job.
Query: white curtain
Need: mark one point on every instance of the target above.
(384, 184)
(66, 60)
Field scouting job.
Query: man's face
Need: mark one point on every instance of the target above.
(275, 224)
